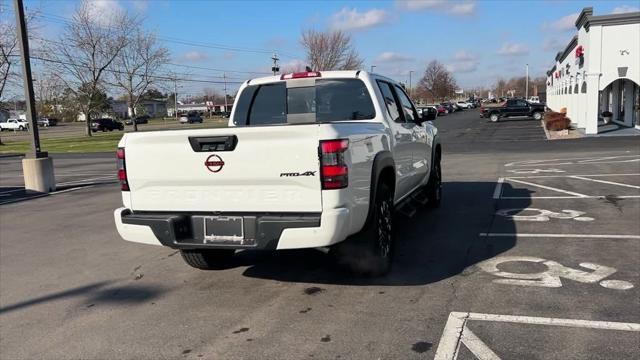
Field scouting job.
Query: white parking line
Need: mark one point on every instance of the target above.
(548, 187)
(604, 182)
(588, 236)
(555, 176)
(498, 191)
(571, 197)
(456, 333)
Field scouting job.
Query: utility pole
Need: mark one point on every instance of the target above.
(175, 99)
(410, 71)
(275, 68)
(526, 90)
(224, 76)
(37, 167)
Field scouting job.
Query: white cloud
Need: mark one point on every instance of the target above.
(625, 9)
(195, 55)
(552, 44)
(352, 19)
(294, 65)
(463, 55)
(140, 5)
(565, 23)
(465, 7)
(393, 57)
(513, 49)
(463, 62)
(103, 11)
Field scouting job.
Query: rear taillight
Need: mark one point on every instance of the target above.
(333, 167)
(300, 75)
(122, 170)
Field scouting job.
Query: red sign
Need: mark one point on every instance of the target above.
(579, 51)
(214, 163)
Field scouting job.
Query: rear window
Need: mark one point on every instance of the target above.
(329, 100)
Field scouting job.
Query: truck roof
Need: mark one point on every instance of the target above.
(323, 75)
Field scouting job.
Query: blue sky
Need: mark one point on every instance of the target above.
(478, 40)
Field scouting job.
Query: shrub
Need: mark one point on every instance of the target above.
(558, 124)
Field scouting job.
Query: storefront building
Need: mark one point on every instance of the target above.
(598, 73)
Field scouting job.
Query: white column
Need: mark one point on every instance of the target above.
(591, 122)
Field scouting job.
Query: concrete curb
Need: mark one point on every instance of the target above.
(2, 156)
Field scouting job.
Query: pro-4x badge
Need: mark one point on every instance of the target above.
(306, 173)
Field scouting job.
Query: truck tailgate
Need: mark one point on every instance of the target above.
(271, 169)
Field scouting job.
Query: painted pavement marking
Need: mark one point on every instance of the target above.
(456, 333)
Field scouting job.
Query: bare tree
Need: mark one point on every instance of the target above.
(135, 67)
(332, 50)
(9, 52)
(437, 83)
(86, 51)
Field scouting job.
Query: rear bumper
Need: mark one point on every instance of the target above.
(262, 231)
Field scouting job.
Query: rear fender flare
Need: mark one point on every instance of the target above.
(382, 161)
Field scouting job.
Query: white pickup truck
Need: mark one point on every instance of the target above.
(309, 160)
(14, 124)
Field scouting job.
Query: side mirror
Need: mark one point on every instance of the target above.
(429, 114)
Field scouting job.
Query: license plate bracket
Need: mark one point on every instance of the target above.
(223, 229)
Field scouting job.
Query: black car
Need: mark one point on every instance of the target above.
(106, 124)
(142, 119)
(511, 108)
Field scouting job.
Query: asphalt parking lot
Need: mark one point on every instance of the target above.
(533, 255)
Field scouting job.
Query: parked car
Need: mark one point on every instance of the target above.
(442, 110)
(511, 108)
(241, 187)
(14, 124)
(46, 122)
(190, 118)
(464, 104)
(534, 100)
(449, 107)
(106, 125)
(142, 119)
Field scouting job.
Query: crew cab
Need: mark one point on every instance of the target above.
(512, 108)
(308, 160)
(14, 124)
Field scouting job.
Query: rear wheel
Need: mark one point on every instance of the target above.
(207, 259)
(370, 252)
(494, 117)
(537, 115)
(21, 128)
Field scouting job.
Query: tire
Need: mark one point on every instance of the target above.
(537, 115)
(207, 259)
(434, 186)
(370, 252)
(494, 117)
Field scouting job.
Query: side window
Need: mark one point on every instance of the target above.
(269, 105)
(409, 111)
(390, 101)
(521, 103)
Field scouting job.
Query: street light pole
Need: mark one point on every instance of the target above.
(37, 167)
(526, 90)
(410, 71)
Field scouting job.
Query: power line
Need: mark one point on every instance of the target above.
(67, 21)
(160, 77)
